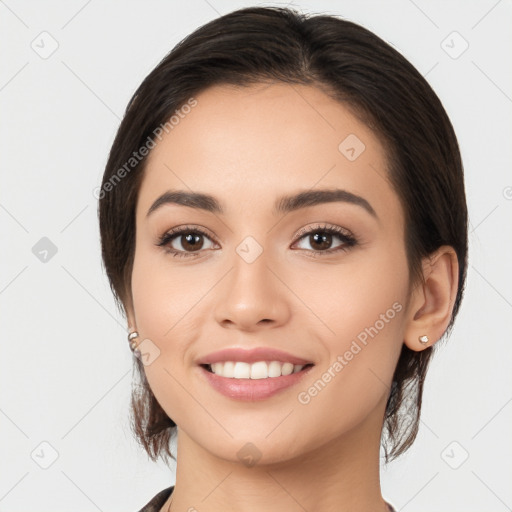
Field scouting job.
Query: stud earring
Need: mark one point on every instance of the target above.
(423, 339)
(133, 344)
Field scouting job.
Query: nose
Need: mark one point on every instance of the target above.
(252, 296)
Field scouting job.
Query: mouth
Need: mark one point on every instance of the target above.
(255, 371)
(255, 381)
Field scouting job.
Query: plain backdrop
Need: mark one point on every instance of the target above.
(67, 72)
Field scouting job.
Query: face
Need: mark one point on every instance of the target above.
(323, 279)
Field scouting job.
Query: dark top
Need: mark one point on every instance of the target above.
(158, 501)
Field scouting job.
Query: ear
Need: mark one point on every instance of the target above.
(431, 304)
(130, 314)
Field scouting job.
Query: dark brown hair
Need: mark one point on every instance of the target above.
(357, 68)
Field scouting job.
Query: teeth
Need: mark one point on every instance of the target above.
(258, 370)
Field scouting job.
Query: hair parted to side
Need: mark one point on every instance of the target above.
(357, 68)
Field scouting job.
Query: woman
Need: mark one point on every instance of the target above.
(284, 224)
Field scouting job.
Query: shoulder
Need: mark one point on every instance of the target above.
(156, 503)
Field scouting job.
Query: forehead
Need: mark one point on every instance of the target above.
(246, 144)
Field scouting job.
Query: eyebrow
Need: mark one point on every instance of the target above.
(284, 204)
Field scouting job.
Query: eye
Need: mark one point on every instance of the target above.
(184, 241)
(321, 239)
(189, 241)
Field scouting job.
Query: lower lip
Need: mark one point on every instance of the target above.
(252, 389)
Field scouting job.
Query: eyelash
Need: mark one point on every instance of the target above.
(345, 236)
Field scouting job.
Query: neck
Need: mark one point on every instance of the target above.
(340, 476)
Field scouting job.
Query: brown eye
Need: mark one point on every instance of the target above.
(321, 240)
(191, 242)
(185, 241)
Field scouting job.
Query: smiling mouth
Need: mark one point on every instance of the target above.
(254, 371)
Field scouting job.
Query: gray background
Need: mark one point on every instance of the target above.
(65, 365)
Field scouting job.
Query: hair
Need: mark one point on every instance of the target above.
(357, 68)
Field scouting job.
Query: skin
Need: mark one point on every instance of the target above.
(247, 147)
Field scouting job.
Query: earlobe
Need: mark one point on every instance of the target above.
(433, 299)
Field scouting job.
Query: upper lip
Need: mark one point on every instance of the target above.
(251, 356)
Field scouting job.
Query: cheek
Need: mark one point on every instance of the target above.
(164, 295)
(167, 305)
(368, 289)
(362, 310)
